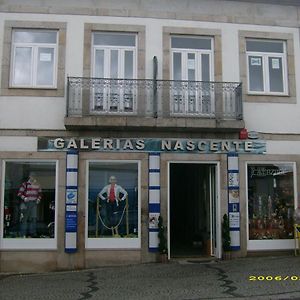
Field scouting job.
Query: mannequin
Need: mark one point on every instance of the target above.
(112, 194)
(31, 194)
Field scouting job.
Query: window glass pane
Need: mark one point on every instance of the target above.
(191, 66)
(113, 200)
(177, 69)
(276, 74)
(270, 201)
(114, 63)
(22, 66)
(35, 36)
(191, 43)
(29, 200)
(45, 66)
(114, 39)
(99, 64)
(255, 64)
(205, 67)
(264, 46)
(128, 64)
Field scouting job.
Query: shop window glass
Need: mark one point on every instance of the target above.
(270, 201)
(29, 200)
(113, 200)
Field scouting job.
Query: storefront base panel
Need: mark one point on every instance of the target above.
(48, 261)
(96, 259)
(28, 262)
(270, 253)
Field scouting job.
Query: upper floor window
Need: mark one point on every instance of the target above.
(192, 58)
(114, 58)
(192, 70)
(34, 58)
(114, 55)
(267, 66)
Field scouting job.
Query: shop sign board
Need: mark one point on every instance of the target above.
(151, 145)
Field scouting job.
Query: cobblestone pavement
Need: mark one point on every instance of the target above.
(175, 280)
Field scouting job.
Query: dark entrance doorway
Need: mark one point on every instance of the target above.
(192, 209)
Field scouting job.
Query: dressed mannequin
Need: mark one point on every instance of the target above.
(112, 194)
(31, 194)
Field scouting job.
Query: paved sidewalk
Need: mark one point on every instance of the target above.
(184, 280)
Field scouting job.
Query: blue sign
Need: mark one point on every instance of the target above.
(71, 196)
(71, 221)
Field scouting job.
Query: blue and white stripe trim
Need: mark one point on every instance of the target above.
(71, 213)
(154, 200)
(233, 200)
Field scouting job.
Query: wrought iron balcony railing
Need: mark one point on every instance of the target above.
(166, 98)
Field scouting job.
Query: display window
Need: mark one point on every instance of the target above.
(29, 206)
(271, 203)
(113, 204)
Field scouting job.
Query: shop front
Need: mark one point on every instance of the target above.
(86, 202)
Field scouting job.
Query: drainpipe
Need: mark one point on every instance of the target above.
(154, 86)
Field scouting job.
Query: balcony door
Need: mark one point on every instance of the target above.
(114, 68)
(192, 72)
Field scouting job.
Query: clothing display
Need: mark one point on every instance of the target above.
(30, 194)
(112, 194)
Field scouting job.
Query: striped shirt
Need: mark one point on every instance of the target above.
(30, 191)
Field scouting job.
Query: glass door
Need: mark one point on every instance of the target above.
(116, 93)
(114, 67)
(191, 88)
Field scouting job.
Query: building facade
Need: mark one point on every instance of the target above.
(113, 113)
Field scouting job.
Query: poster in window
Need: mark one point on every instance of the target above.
(113, 200)
(275, 63)
(45, 57)
(255, 61)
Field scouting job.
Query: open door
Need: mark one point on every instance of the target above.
(192, 221)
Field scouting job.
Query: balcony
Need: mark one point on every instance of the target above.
(163, 104)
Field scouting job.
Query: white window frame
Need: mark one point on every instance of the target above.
(198, 53)
(107, 58)
(261, 245)
(198, 70)
(110, 242)
(121, 54)
(265, 68)
(34, 60)
(121, 70)
(29, 243)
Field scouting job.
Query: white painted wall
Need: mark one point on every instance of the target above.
(32, 113)
(48, 113)
(283, 147)
(18, 143)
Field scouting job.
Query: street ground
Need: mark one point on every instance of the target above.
(245, 278)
